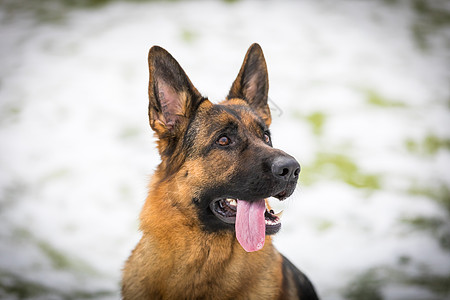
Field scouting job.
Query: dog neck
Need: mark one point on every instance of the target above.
(174, 247)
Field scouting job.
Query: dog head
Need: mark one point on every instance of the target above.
(222, 153)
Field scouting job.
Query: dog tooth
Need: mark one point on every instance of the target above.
(279, 214)
(232, 202)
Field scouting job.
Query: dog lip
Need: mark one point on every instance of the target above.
(281, 196)
(225, 210)
(286, 192)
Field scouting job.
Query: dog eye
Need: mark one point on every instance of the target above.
(223, 141)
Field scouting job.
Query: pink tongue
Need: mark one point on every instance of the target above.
(250, 224)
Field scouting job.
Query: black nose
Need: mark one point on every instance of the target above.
(285, 168)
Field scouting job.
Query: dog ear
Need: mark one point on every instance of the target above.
(172, 97)
(252, 83)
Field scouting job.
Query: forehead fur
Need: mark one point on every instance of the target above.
(231, 112)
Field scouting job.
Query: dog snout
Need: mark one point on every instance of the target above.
(285, 168)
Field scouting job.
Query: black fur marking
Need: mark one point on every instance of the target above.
(218, 111)
(305, 289)
(231, 110)
(259, 125)
(253, 180)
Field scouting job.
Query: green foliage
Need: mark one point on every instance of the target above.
(316, 119)
(188, 36)
(433, 144)
(376, 99)
(438, 284)
(440, 194)
(430, 145)
(129, 132)
(55, 11)
(10, 110)
(438, 226)
(58, 259)
(86, 3)
(430, 18)
(13, 286)
(365, 286)
(368, 285)
(404, 260)
(339, 167)
(425, 223)
(324, 225)
(11, 195)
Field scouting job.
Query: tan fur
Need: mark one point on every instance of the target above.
(177, 258)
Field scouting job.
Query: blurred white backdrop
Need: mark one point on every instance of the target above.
(363, 89)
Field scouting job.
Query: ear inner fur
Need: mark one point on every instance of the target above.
(172, 96)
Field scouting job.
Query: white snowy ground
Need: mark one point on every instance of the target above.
(364, 101)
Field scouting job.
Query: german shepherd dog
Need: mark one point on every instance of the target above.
(206, 224)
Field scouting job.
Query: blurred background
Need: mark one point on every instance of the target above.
(360, 95)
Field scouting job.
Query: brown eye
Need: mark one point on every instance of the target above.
(267, 138)
(224, 141)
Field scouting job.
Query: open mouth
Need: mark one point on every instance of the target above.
(252, 220)
(226, 209)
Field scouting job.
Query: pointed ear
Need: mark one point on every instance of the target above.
(172, 97)
(252, 83)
